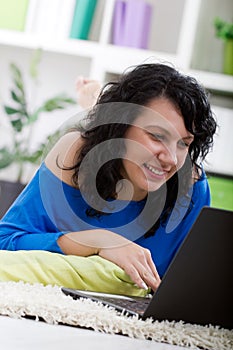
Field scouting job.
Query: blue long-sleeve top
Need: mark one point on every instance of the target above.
(48, 208)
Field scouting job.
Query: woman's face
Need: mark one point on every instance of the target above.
(156, 147)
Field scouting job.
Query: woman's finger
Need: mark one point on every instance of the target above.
(152, 267)
(135, 277)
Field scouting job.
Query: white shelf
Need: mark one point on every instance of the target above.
(68, 47)
(110, 58)
(80, 48)
(214, 81)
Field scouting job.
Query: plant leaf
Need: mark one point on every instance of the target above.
(33, 117)
(16, 97)
(44, 148)
(223, 29)
(9, 110)
(33, 70)
(57, 102)
(34, 157)
(17, 124)
(6, 158)
(17, 78)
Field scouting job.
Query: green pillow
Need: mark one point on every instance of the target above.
(86, 273)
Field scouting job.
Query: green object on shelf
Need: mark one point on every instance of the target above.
(221, 192)
(13, 14)
(82, 19)
(228, 57)
(224, 31)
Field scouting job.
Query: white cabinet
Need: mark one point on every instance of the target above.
(181, 32)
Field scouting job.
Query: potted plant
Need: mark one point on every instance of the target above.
(224, 31)
(21, 121)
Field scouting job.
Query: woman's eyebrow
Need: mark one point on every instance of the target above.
(167, 132)
(162, 129)
(191, 137)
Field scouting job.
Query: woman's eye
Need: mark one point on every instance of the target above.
(157, 137)
(183, 144)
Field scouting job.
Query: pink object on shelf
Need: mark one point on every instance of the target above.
(131, 23)
(118, 22)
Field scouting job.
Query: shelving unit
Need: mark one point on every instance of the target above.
(181, 34)
(177, 24)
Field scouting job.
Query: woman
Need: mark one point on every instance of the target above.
(126, 184)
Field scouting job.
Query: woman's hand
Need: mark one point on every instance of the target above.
(135, 260)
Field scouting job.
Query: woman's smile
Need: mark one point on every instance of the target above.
(154, 172)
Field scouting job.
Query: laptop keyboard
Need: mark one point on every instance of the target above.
(132, 305)
(137, 306)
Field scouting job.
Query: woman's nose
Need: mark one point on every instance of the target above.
(168, 155)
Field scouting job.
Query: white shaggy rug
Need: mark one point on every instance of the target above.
(18, 299)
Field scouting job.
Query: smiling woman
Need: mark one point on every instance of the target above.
(128, 183)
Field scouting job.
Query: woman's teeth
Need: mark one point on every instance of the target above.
(153, 170)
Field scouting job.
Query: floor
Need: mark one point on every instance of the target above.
(28, 334)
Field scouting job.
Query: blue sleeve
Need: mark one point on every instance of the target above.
(38, 241)
(13, 238)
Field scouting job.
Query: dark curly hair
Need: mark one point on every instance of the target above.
(107, 121)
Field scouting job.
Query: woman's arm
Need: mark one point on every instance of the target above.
(132, 258)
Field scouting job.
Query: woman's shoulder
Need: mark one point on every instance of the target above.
(63, 155)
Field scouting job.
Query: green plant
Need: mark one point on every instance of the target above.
(223, 29)
(21, 121)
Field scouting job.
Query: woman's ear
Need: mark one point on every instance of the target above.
(87, 92)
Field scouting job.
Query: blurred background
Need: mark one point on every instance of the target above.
(46, 45)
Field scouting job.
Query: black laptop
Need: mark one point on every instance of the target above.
(198, 285)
